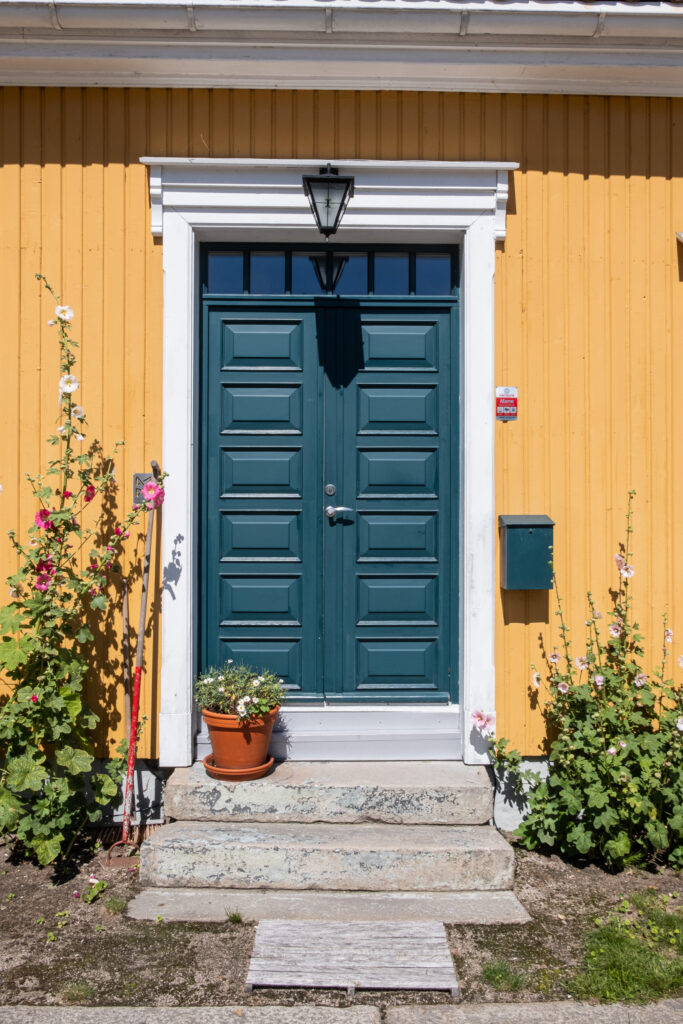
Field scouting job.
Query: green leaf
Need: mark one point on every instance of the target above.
(10, 619)
(620, 847)
(580, 838)
(47, 850)
(14, 653)
(24, 773)
(106, 786)
(676, 822)
(597, 797)
(658, 834)
(10, 809)
(75, 761)
(84, 635)
(608, 818)
(99, 602)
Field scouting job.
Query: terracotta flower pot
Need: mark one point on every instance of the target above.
(239, 745)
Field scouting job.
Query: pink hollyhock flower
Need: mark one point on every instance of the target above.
(118, 531)
(622, 744)
(563, 687)
(598, 682)
(152, 494)
(582, 662)
(612, 751)
(554, 658)
(536, 680)
(43, 582)
(615, 630)
(43, 520)
(640, 679)
(67, 494)
(679, 724)
(597, 615)
(626, 572)
(126, 534)
(483, 721)
(34, 698)
(89, 493)
(44, 565)
(668, 635)
(77, 894)
(620, 560)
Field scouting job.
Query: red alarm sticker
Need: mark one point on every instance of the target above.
(506, 403)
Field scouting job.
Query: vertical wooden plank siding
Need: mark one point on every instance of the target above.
(589, 307)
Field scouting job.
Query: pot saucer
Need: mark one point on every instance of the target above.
(236, 774)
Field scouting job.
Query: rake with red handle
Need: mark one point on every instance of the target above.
(135, 712)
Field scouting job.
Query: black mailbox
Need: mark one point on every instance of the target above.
(526, 548)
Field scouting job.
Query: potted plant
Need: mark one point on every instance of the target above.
(239, 706)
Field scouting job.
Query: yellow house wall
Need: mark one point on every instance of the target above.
(589, 306)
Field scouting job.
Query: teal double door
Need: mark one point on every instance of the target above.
(329, 505)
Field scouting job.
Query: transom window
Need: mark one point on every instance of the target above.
(329, 270)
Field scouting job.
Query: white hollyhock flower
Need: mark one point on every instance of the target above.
(67, 384)
(64, 313)
(77, 412)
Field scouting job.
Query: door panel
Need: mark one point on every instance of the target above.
(397, 618)
(262, 540)
(361, 395)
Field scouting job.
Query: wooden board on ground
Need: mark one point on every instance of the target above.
(353, 955)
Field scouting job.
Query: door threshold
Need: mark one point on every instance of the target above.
(377, 732)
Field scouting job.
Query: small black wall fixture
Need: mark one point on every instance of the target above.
(328, 193)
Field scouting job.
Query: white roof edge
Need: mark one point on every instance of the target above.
(436, 165)
(477, 17)
(529, 46)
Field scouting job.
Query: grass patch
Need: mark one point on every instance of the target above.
(636, 955)
(499, 974)
(234, 917)
(115, 904)
(78, 993)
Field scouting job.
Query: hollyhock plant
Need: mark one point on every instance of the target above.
(614, 792)
(59, 591)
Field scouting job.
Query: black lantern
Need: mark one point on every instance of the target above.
(328, 193)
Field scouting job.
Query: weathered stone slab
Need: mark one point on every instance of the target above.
(302, 856)
(356, 955)
(297, 905)
(188, 1015)
(668, 1011)
(393, 792)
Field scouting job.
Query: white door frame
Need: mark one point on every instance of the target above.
(194, 200)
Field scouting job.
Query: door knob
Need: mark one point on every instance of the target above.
(332, 510)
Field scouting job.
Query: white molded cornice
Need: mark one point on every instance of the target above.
(402, 196)
(480, 45)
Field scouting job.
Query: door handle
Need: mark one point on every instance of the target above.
(332, 510)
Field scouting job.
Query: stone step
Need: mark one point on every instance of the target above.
(493, 907)
(323, 856)
(392, 792)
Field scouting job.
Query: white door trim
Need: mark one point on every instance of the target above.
(246, 200)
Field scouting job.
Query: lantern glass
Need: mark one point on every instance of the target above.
(328, 193)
